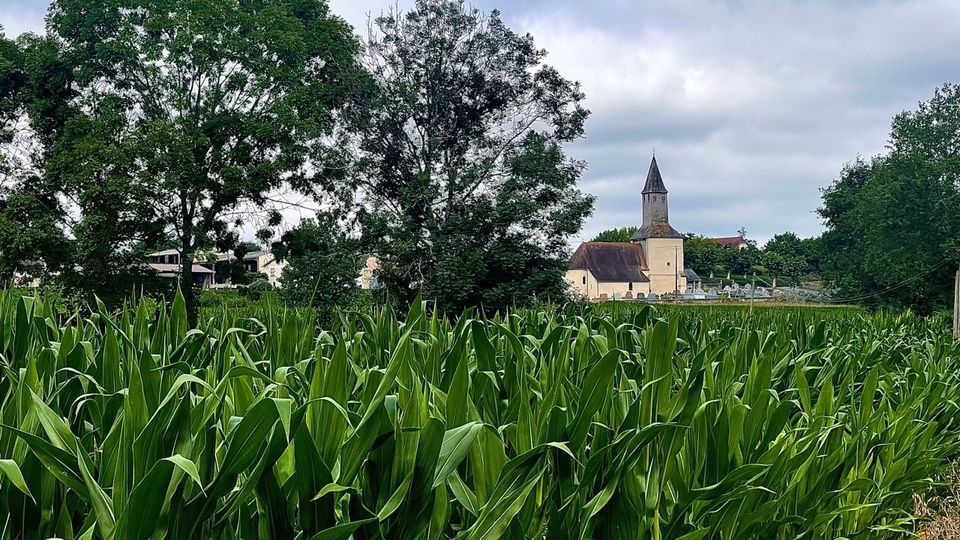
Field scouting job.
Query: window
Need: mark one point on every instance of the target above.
(630, 286)
(584, 280)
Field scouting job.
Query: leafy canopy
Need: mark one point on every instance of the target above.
(623, 234)
(194, 111)
(893, 222)
(469, 195)
(323, 263)
(33, 220)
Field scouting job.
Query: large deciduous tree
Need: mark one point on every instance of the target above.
(893, 223)
(468, 193)
(195, 111)
(34, 88)
(785, 255)
(704, 255)
(11, 85)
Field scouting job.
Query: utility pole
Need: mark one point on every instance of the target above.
(956, 307)
(676, 268)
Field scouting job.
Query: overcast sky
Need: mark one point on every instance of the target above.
(752, 106)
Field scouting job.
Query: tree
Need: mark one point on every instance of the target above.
(623, 234)
(786, 244)
(813, 254)
(12, 81)
(703, 255)
(470, 196)
(194, 111)
(323, 263)
(843, 241)
(33, 93)
(741, 261)
(784, 255)
(893, 223)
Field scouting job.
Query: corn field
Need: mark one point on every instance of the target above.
(639, 423)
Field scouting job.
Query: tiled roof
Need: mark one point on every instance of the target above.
(656, 230)
(618, 262)
(730, 241)
(691, 275)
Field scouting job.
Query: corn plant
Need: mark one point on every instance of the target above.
(627, 422)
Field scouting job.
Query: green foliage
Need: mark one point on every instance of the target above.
(32, 220)
(786, 255)
(704, 255)
(623, 234)
(191, 110)
(12, 81)
(323, 264)
(893, 222)
(471, 198)
(618, 421)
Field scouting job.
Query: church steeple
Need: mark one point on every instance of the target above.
(656, 219)
(654, 180)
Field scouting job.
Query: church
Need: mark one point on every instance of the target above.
(651, 263)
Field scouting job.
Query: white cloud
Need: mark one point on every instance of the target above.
(752, 105)
(23, 16)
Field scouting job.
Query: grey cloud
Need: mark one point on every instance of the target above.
(753, 105)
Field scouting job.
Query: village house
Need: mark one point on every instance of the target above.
(732, 242)
(368, 274)
(650, 264)
(210, 270)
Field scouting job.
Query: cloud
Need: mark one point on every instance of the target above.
(17, 17)
(753, 106)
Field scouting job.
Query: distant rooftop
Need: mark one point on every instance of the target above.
(730, 241)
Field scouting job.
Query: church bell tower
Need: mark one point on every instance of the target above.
(662, 244)
(655, 208)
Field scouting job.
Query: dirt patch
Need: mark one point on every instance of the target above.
(943, 511)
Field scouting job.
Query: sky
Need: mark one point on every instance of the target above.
(752, 107)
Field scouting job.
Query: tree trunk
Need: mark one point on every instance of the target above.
(956, 307)
(186, 283)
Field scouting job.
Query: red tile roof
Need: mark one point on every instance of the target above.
(730, 241)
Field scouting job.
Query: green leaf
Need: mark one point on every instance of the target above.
(342, 532)
(456, 446)
(139, 520)
(11, 470)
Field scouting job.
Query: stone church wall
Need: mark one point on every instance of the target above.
(665, 260)
(585, 285)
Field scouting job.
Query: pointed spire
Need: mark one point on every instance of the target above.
(654, 180)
